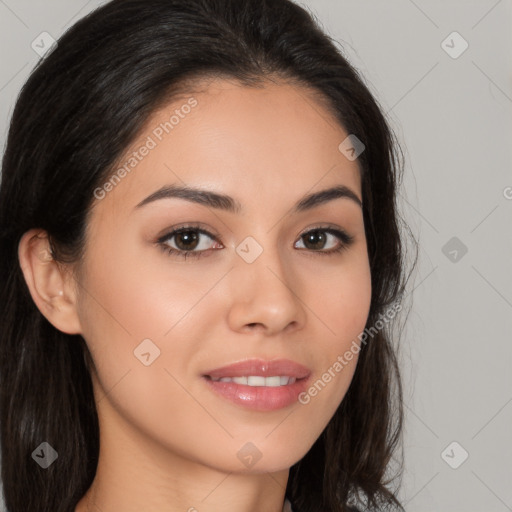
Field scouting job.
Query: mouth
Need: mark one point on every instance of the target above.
(258, 384)
(254, 369)
(257, 380)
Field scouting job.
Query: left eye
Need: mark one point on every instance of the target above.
(319, 237)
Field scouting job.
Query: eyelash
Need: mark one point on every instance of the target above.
(345, 239)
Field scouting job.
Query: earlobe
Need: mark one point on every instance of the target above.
(50, 283)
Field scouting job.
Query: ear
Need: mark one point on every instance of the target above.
(51, 284)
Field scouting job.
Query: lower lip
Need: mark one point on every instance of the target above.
(259, 398)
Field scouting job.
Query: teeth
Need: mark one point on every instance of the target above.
(274, 381)
(257, 380)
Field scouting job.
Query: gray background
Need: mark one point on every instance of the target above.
(453, 118)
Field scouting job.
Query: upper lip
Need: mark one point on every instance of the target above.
(262, 368)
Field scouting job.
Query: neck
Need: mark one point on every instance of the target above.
(135, 474)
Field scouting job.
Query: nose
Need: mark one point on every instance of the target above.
(266, 296)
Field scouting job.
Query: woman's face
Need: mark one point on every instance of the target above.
(252, 286)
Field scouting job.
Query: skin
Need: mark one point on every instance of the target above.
(167, 442)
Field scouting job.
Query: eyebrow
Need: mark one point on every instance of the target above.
(229, 204)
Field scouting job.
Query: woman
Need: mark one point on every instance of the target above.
(200, 256)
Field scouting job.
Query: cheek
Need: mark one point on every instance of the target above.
(132, 296)
(340, 298)
(341, 302)
(125, 315)
(132, 305)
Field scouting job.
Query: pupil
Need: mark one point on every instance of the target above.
(188, 237)
(315, 237)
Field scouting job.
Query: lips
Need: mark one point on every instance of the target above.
(259, 385)
(260, 368)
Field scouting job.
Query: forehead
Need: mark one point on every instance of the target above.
(254, 143)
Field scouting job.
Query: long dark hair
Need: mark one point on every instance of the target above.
(75, 116)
